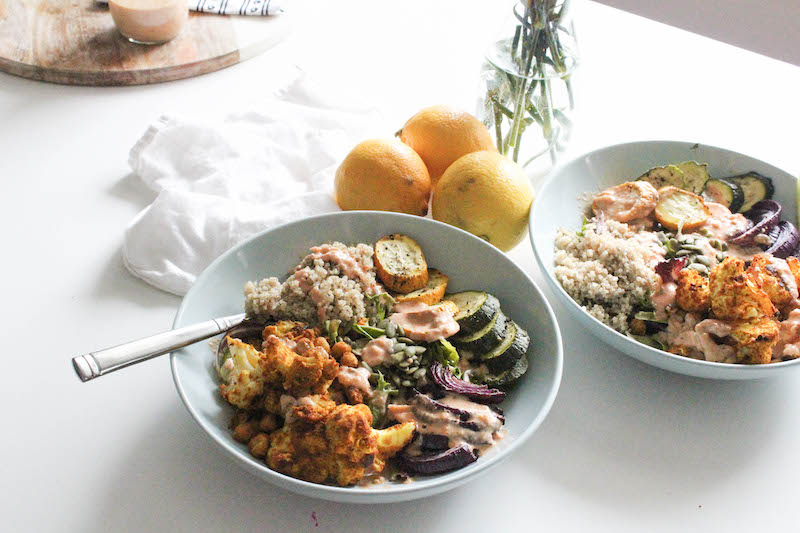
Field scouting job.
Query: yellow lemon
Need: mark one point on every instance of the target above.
(487, 195)
(441, 134)
(383, 175)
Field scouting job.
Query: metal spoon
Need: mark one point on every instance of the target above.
(96, 364)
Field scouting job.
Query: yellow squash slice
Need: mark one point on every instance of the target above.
(678, 209)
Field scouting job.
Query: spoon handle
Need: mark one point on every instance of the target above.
(95, 364)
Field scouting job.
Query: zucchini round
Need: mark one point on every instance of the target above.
(666, 176)
(725, 192)
(695, 176)
(508, 352)
(475, 310)
(506, 378)
(755, 187)
(484, 339)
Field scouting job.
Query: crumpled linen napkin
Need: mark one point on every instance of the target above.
(220, 182)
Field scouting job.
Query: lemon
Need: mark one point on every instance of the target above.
(383, 175)
(486, 194)
(441, 134)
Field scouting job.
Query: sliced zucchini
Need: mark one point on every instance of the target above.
(695, 175)
(475, 310)
(507, 377)
(669, 175)
(484, 339)
(725, 192)
(508, 352)
(755, 187)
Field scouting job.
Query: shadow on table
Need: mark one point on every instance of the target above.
(623, 431)
(115, 282)
(131, 189)
(177, 479)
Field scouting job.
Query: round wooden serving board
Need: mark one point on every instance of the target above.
(75, 42)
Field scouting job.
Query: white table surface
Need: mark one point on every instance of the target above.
(625, 448)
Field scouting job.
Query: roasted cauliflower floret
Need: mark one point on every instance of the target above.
(241, 374)
(340, 448)
(794, 267)
(692, 293)
(755, 340)
(306, 369)
(780, 291)
(734, 296)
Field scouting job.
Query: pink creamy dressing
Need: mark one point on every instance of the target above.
(627, 201)
(422, 322)
(650, 241)
(377, 351)
(789, 341)
(355, 377)
(348, 265)
(486, 424)
(700, 338)
(663, 298)
(723, 225)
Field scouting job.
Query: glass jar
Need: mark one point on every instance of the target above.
(527, 100)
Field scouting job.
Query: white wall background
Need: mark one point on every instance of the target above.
(769, 27)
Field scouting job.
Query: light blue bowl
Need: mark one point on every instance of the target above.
(469, 262)
(556, 206)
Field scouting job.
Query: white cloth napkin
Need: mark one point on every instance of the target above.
(233, 7)
(219, 182)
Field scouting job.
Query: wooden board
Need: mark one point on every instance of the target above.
(75, 42)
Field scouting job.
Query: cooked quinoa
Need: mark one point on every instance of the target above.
(317, 289)
(605, 271)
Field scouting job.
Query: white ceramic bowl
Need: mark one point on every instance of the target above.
(556, 206)
(471, 264)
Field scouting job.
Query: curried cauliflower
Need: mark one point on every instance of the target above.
(692, 293)
(305, 369)
(762, 271)
(322, 441)
(241, 374)
(734, 296)
(755, 340)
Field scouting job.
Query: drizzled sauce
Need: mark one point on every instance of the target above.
(377, 351)
(479, 428)
(348, 265)
(422, 322)
(355, 377)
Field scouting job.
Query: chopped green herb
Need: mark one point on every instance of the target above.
(583, 226)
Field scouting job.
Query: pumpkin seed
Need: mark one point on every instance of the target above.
(419, 373)
(703, 260)
(683, 253)
(391, 329)
(720, 257)
(700, 268)
(406, 383)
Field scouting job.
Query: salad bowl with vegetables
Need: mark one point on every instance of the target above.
(679, 254)
(276, 377)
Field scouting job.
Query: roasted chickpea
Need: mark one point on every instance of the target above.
(272, 401)
(350, 360)
(258, 445)
(238, 417)
(339, 349)
(268, 423)
(245, 431)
